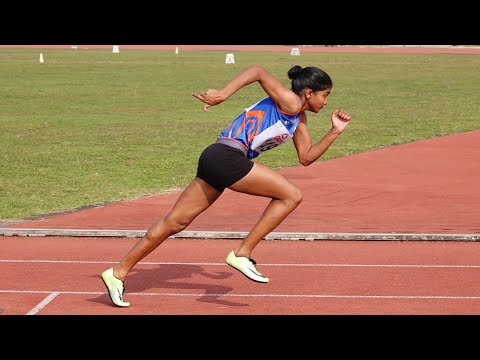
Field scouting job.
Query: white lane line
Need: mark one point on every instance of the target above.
(43, 303)
(321, 296)
(223, 264)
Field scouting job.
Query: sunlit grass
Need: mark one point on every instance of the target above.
(88, 126)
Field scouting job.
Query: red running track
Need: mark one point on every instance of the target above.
(61, 276)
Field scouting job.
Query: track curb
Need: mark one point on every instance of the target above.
(307, 236)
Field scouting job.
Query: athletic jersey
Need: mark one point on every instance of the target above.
(262, 127)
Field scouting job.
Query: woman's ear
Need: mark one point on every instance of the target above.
(308, 93)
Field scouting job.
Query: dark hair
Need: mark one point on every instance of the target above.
(309, 77)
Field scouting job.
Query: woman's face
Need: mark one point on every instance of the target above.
(318, 99)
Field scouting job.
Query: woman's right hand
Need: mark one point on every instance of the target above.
(210, 97)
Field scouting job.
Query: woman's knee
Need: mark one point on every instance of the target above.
(294, 196)
(162, 229)
(175, 224)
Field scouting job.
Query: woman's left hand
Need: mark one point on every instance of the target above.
(340, 120)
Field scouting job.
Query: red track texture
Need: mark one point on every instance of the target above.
(61, 276)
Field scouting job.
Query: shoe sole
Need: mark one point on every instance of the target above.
(248, 277)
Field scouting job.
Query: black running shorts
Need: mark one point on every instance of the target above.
(222, 165)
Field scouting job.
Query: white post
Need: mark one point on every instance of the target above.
(295, 51)
(229, 59)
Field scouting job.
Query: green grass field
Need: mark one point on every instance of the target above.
(89, 127)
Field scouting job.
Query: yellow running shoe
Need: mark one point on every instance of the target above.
(115, 288)
(246, 266)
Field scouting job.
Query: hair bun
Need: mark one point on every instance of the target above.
(294, 72)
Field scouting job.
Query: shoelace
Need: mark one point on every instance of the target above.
(123, 285)
(121, 291)
(254, 263)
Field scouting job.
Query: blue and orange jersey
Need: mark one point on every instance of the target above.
(261, 127)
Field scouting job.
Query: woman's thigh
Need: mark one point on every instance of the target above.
(195, 199)
(263, 181)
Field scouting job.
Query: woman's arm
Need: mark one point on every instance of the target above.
(308, 152)
(285, 99)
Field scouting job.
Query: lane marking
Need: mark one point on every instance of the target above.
(224, 264)
(333, 296)
(43, 303)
